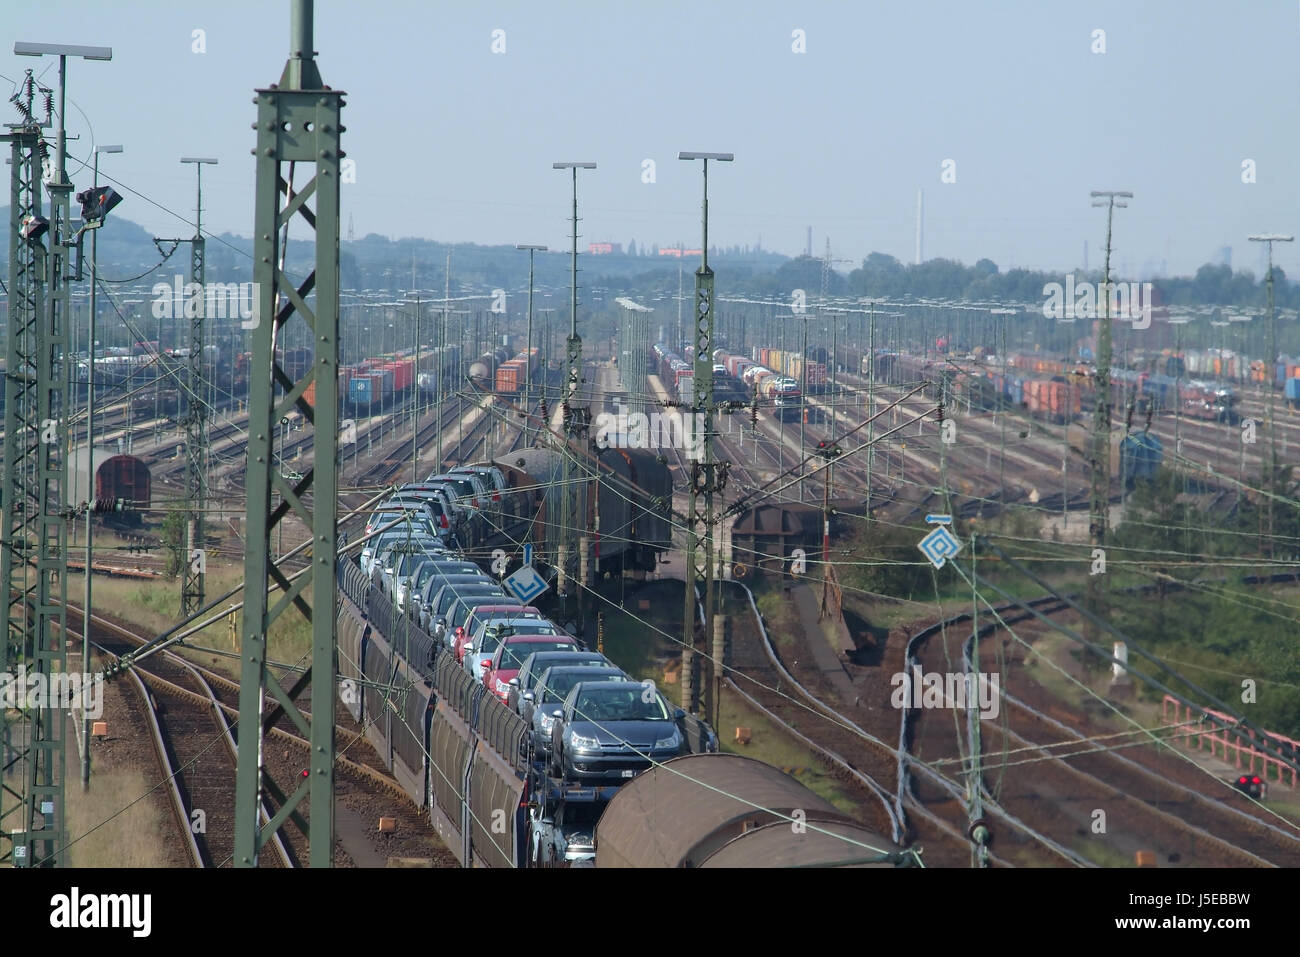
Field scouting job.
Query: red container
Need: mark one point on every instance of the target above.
(510, 376)
(403, 371)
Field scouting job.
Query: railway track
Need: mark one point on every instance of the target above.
(202, 708)
(194, 744)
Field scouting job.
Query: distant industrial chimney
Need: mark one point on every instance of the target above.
(920, 226)
(808, 250)
(1085, 255)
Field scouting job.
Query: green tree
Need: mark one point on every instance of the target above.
(173, 539)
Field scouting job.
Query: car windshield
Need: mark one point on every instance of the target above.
(556, 687)
(463, 486)
(623, 703)
(492, 635)
(514, 656)
(465, 591)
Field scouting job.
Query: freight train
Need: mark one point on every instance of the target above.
(808, 373)
(438, 368)
(373, 385)
(676, 374)
(468, 759)
(777, 392)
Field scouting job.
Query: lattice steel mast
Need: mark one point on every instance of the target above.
(194, 565)
(1270, 484)
(707, 477)
(1100, 491)
(575, 419)
(297, 123)
(34, 623)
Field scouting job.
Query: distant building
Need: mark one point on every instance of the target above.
(1225, 256)
(605, 249)
(677, 252)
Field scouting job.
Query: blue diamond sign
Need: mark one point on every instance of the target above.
(526, 584)
(940, 544)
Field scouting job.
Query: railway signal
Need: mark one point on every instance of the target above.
(96, 203)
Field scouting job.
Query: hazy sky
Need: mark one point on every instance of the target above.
(455, 142)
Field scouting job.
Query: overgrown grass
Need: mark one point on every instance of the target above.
(109, 825)
(771, 744)
(153, 607)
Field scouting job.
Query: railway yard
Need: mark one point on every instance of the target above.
(405, 563)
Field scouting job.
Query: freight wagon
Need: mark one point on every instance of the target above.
(125, 478)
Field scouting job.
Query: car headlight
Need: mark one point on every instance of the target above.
(547, 722)
(672, 741)
(581, 743)
(503, 687)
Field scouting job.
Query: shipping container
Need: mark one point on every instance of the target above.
(510, 376)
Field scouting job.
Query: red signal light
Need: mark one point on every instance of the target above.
(1254, 780)
(1242, 779)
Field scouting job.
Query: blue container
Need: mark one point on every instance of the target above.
(359, 392)
(1293, 389)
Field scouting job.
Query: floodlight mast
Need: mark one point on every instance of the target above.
(1270, 480)
(90, 456)
(34, 527)
(706, 479)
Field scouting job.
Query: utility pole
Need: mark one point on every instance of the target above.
(1002, 409)
(415, 403)
(574, 419)
(303, 103)
(803, 406)
(193, 560)
(33, 619)
(1270, 483)
(528, 366)
(707, 477)
(1100, 497)
(440, 393)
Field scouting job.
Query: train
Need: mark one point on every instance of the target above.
(780, 393)
(119, 485)
(676, 374)
(467, 760)
(808, 373)
(1141, 455)
(483, 370)
(632, 506)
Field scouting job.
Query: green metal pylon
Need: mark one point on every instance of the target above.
(297, 123)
